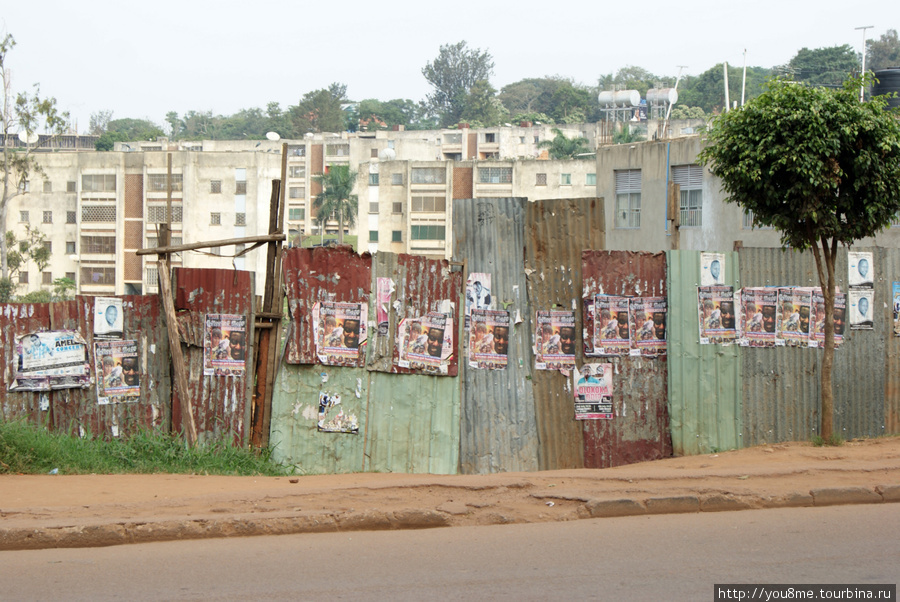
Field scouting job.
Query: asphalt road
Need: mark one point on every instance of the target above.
(663, 557)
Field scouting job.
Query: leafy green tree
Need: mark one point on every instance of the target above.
(28, 115)
(561, 147)
(707, 90)
(558, 98)
(482, 105)
(627, 134)
(337, 198)
(828, 66)
(319, 111)
(820, 167)
(62, 287)
(39, 296)
(99, 122)
(680, 111)
(883, 52)
(21, 251)
(451, 76)
(279, 121)
(373, 114)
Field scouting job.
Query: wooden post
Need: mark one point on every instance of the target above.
(181, 382)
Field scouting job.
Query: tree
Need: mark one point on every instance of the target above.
(452, 75)
(127, 130)
(707, 90)
(819, 166)
(319, 111)
(562, 147)
(823, 66)
(27, 115)
(482, 105)
(373, 114)
(884, 52)
(21, 251)
(99, 122)
(562, 100)
(336, 198)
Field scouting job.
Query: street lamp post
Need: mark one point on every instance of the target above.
(862, 84)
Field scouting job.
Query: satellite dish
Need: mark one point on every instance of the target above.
(273, 136)
(28, 137)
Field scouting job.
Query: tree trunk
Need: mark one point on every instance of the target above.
(826, 281)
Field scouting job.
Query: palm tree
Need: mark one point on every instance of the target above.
(336, 198)
(565, 148)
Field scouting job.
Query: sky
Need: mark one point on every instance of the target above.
(142, 60)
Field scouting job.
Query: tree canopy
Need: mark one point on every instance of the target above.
(883, 52)
(320, 111)
(336, 199)
(828, 66)
(561, 147)
(819, 166)
(452, 75)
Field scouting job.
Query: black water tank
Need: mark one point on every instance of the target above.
(888, 81)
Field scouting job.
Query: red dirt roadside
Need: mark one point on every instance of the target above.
(89, 510)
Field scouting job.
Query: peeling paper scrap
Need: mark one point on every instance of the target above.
(518, 319)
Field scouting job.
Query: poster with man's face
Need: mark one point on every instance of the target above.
(340, 333)
(712, 269)
(862, 309)
(860, 269)
(108, 318)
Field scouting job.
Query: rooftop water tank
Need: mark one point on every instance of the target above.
(662, 96)
(888, 82)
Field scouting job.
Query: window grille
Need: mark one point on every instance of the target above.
(397, 179)
(495, 175)
(91, 275)
(70, 247)
(23, 217)
(215, 219)
(240, 187)
(98, 183)
(240, 219)
(156, 182)
(373, 179)
(156, 214)
(540, 179)
(215, 186)
(429, 175)
(373, 207)
(397, 207)
(48, 217)
(46, 278)
(690, 178)
(297, 171)
(98, 245)
(71, 217)
(628, 198)
(48, 186)
(98, 213)
(70, 186)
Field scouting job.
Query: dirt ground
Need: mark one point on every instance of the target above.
(765, 476)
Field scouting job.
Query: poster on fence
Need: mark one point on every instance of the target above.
(555, 340)
(478, 294)
(716, 312)
(332, 419)
(712, 269)
(759, 309)
(859, 269)
(340, 333)
(223, 345)
(840, 311)
(593, 392)
(489, 339)
(424, 343)
(648, 325)
(51, 360)
(611, 326)
(862, 307)
(794, 310)
(118, 377)
(384, 289)
(895, 287)
(108, 318)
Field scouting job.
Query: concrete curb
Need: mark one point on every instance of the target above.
(372, 520)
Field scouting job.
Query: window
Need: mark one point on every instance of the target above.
(590, 179)
(240, 219)
(152, 277)
(70, 276)
(521, 139)
(71, 217)
(70, 186)
(296, 214)
(48, 186)
(337, 150)
(565, 179)
(23, 217)
(215, 219)
(396, 236)
(156, 182)
(390, 144)
(239, 250)
(628, 198)
(374, 153)
(373, 179)
(748, 224)
(98, 275)
(297, 171)
(25, 187)
(429, 204)
(23, 277)
(174, 241)
(397, 208)
(490, 138)
(48, 217)
(46, 278)
(98, 183)
(215, 250)
(540, 179)
(297, 151)
(70, 247)
(397, 179)
(240, 187)
(215, 186)
(429, 175)
(99, 213)
(373, 207)
(98, 245)
(495, 175)
(47, 244)
(156, 214)
(373, 235)
(537, 139)
(690, 178)
(427, 232)
(453, 138)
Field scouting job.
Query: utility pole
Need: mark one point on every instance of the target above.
(862, 85)
(744, 82)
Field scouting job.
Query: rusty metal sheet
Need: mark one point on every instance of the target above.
(318, 274)
(556, 232)
(220, 404)
(498, 431)
(17, 319)
(640, 429)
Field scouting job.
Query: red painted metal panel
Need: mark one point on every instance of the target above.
(318, 274)
(16, 320)
(640, 429)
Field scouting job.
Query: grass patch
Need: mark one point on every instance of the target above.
(29, 449)
(832, 441)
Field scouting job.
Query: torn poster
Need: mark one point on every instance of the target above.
(108, 318)
(478, 294)
(593, 392)
(489, 339)
(648, 325)
(331, 417)
(118, 377)
(223, 345)
(51, 360)
(612, 334)
(555, 340)
(895, 288)
(340, 333)
(715, 305)
(384, 289)
(840, 312)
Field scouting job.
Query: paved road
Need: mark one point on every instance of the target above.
(665, 557)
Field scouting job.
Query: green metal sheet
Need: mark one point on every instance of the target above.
(704, 380)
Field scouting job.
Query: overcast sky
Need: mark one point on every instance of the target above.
(143, 59)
